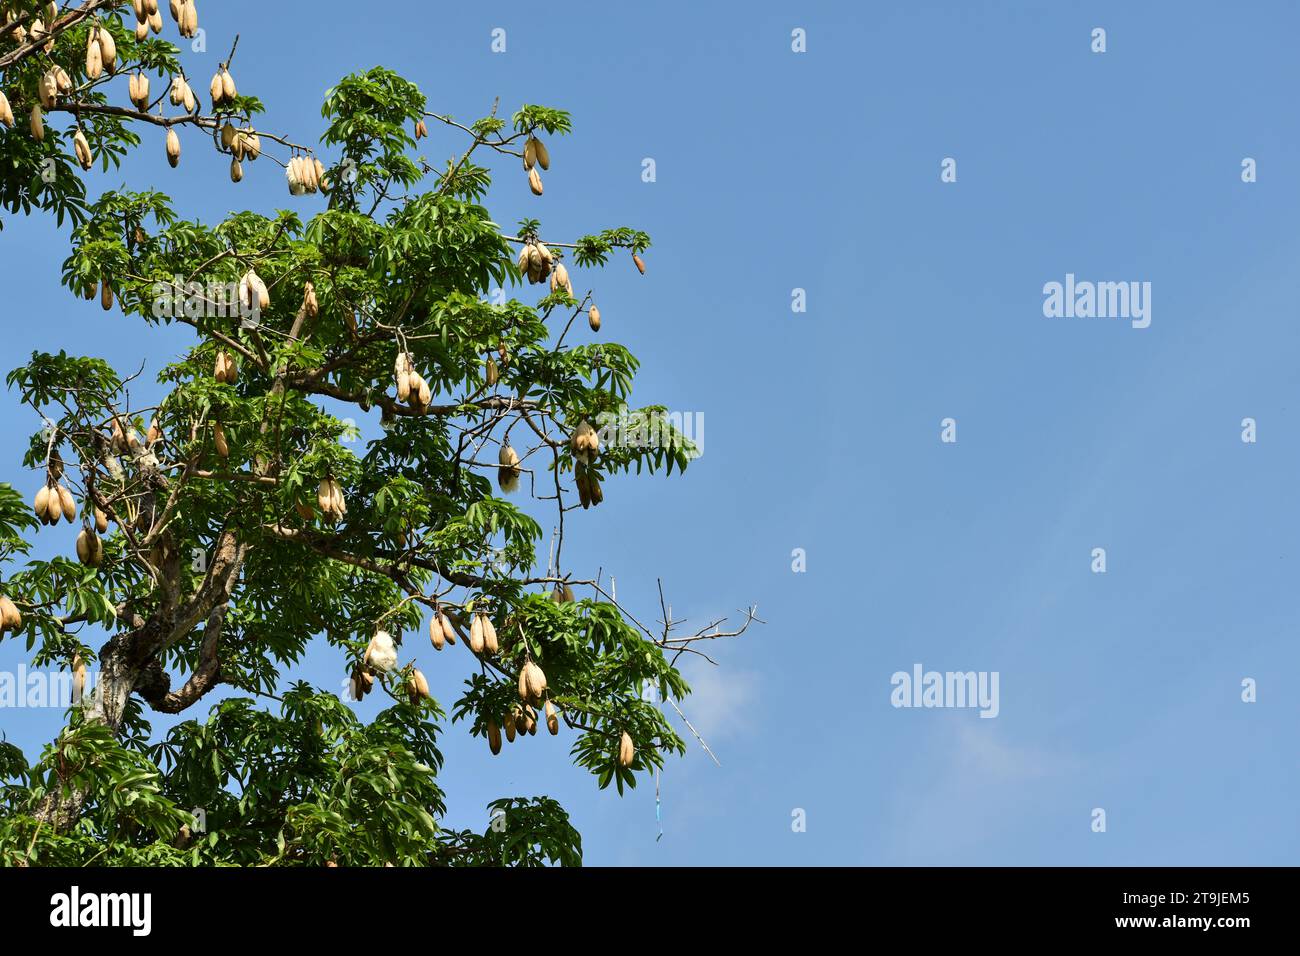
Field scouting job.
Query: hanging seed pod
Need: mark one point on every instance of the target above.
(508, 472)
(593, 318)
(90, 550)
(508, 722)
(448, 631)
(10, 619)
(436, 636)
(173, 148)
(227, 135)
(94, 59)
(101, 521)
(381, 653)
(62, 82)
(494, 737)
(6, 111)
(47, 90)
(228, 91)
(490, 643)
(310, 307)
(37, 124)
(67, 505)
(530, 716)
(107, 49)
(142, 30)
(493, 374)
(535, 182)
(585, 442)
(41, 501)
(337, 500)
(552, 719)
(82, 149)
(318, 174)
(542, 153)
(532, 683)
(402, 376)
(324, 497)
(476, 643)
(219, 439)
(417, 687)
(626, 751)
(105, 295)
(421, 130)
(189, 20)
(236, 171)
(216, 90)
(640, 263)
(530, 153)
(177, 91)
(252, 146)
(525, 258)
(78, 679)
(155, 22)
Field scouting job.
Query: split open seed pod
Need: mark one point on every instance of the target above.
(508, 473)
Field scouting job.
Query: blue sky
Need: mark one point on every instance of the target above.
(820, 171)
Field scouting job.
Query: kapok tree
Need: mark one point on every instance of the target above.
(214, 532)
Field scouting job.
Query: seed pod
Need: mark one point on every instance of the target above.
(381, 653)
(585, 443)
(140, 12)
(542, 153)
(339, 504)
(626, 751)
(101, 521)
(535, 182)
(107, 49)
(508, 722)
(6, 111)
(324, 497)
(82, 149)
(41, 501)
(490, 643)
(37, 124)
(508, 473)
(494, 737)
(318, 174)
(493, 374)
(448, 631)
(436, 636)
(403, 377)
(640, 264)
(105, 295)
(62, 82)
(140, 95)
(219, 439)
(216, 90)
(10, 619)
(90, 550)
(552, 719)
(593, 318)
(228, 90)
(421, 130)
(310, 307)
(142, 30)
(530, 716)
(252, 146)
(476, 643)
(219, 370)
(155, 22)
(532, 683)
(525, 258)
(173, 148)
(177, 91)
(47, 90)
(78, 679)
(66, 503)
(417, 686)
(236, 171)
(94, 59)
(560, 279)
(189, 23)
(175, 7)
